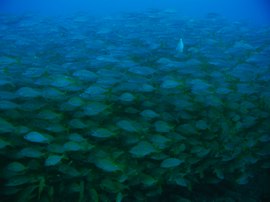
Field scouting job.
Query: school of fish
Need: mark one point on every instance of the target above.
(125, 107)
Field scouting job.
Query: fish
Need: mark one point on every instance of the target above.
(180, 47)
(122, 108)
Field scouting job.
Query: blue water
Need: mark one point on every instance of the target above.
(256, 11)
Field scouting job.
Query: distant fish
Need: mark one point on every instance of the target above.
(180, 46)
(212, 15)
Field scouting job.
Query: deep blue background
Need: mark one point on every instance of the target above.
(253, 10)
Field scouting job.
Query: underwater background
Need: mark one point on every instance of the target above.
(126, 101)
